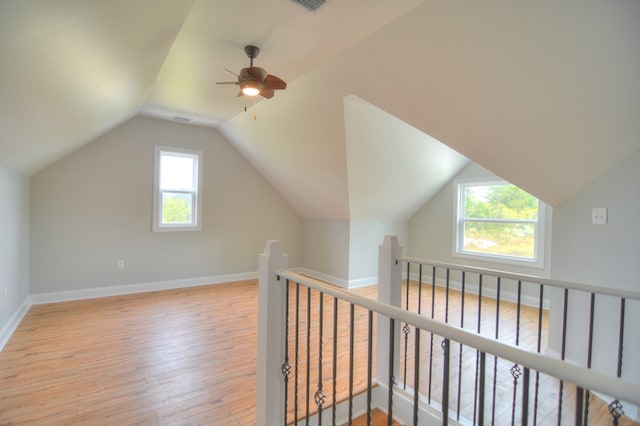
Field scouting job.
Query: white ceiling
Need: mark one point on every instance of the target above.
(544, 94)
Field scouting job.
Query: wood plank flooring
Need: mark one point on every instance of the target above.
(165, 358)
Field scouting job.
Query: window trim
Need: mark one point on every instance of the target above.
(157, 226)
(458, 227)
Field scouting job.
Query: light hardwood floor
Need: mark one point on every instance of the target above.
(173, 357)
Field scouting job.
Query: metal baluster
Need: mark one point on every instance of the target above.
(495, 358)
(615, 408)
(483, 372)
(537, 385)
(587, 396)
(416, 381)
(297, 349)
(515, 370)
(460, 350)
(286, 367)
(446, 299)
(351, 354)
(420, 288)
(475, 386)
(433, 300)
(320, 396)
(445, 383)
(525, 398)
(369, 366)
(392, 326)
(335, 360)
(562, 352)
(406, 330)
(416, 378)
(308, 391)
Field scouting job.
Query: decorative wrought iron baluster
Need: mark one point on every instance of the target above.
(320, 396)
(615, 408)
(495, 358)
(351, 355)
(446, 298)
(406, 329)
(538, 347)
(483, 373)
(392, 337)
(587, 396)
(478, 328)
(445, 382)
(525, 398)
(616, 411)
(297, 350)
(516, 372)
(563, 352)
(416, 378)
(460, 349)
(335, 360)
(369, 365)
(286, 367)
(308, 389)
(433, 300)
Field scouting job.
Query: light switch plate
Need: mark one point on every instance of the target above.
(599, 216)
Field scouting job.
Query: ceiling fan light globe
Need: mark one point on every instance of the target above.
(250, 91)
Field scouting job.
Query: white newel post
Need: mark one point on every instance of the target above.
(389, 291)
(271, 322)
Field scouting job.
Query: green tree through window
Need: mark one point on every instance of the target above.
(497, 219)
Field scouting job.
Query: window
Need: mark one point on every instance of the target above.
(177, 182)
(499, 222)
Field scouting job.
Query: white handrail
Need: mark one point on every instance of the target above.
(580, 376)
(628, 294)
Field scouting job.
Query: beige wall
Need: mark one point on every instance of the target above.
(14, 246)
(94, 207)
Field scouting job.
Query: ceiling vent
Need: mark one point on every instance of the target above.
(312, 5)
(181, 119)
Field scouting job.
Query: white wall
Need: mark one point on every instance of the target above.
(365, 238)
(326, 249)
(14, 248)
(431, 230)
(93, 208)
(604, 255)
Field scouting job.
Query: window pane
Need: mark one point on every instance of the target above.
(506, 239)
(176, 172)
(177, 209)
(499, 202)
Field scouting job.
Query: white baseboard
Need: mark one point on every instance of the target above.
(487, 291)
(92, 293)
(14, 322)
(361, 282)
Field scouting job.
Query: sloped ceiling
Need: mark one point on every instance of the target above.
(70, 70)
(544, 94)
(393, 169)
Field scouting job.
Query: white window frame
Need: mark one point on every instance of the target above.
(196, 224)
(458, 227)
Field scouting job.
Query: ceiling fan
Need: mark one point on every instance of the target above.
(255, 80)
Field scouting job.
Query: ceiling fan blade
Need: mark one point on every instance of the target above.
(266, 93)
(275, 83)
(229, 71)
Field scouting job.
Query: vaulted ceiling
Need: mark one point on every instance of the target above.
(545, 94)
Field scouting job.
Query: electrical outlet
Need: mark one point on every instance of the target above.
(4, 293)
(120, 265)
